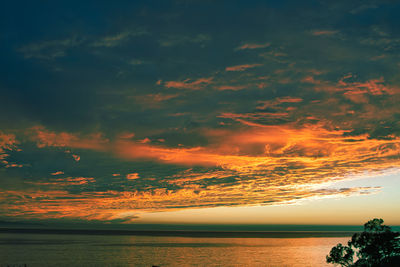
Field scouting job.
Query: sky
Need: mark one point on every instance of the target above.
(252, 112)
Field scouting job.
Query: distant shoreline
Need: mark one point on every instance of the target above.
(184, 233)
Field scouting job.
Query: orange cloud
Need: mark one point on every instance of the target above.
(310, 79)
(44, 137)
(63, 182)
(261, 147)
(145, 141)
(113, 205)
(76, 157)
(373, 87)
(126, 135)
(289, 99)
(132, 176)
(188, 84)
(137, 151)
(255, 164)
(242, 67)
(8, 142)
(274, 103)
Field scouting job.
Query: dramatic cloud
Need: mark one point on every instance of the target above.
(144, 110)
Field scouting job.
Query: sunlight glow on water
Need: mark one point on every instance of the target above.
(91, 250)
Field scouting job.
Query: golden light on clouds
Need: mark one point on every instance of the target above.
(259, 165)
(161, 112)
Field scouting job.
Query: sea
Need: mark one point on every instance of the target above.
(151, 249)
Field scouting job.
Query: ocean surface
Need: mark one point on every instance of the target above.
(43, 249)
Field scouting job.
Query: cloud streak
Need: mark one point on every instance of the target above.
(242, 67)
(253, 46)
(189, 84)
(118, 39)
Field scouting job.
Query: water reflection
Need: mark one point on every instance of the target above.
(86, 250)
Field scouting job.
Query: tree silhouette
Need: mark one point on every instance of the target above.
(377, 246)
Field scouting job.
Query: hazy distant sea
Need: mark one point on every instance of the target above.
(17, 249)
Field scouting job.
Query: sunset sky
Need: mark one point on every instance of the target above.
(232, 112)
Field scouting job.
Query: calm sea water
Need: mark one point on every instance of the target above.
(98, 250)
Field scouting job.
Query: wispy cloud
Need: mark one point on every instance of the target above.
(189, 83)
(46, 138)
(176, 39)
(50, 49)
(53, 49)
(274, 103)
(116, 206)
(154, 101)
(364, 7)
(64, 182)
(252, 46)
(8, 142)
(230, 87)
(242, 67)
(119, 38)
(324, 32)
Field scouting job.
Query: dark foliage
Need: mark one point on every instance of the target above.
(377, 246)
